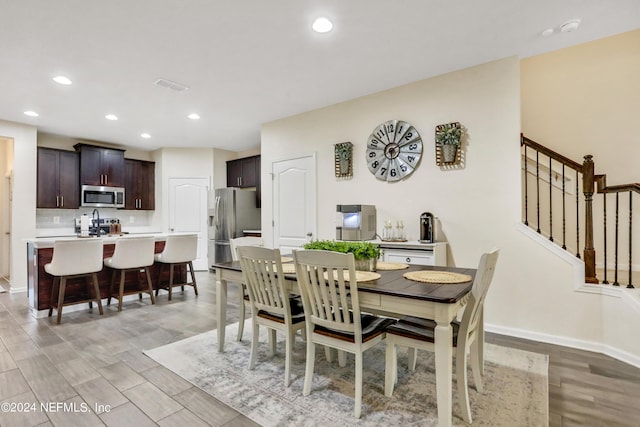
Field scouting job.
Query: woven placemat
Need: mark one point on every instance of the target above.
(361, 276)
(288, 268)
(443, 277)
(286, 259)
(388, 266)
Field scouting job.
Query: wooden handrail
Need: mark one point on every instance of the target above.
(548, 152)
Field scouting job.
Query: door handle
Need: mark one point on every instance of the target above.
(62, 201)
(57, 201)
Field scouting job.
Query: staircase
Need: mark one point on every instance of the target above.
(573, 207)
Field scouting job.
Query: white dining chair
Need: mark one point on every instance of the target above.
(271, 304)
(244, 296)
(332, 312)
(468, 337)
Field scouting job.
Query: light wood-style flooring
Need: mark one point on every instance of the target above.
(91, 359)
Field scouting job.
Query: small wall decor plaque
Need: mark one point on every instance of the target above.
(343, 160)
(448, 138)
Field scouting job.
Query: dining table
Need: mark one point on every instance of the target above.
(393, 295)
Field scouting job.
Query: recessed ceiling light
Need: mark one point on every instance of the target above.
(62, 80)
(194, 116)
(547, 32)
(31, 113)
(322, 25)
(111, 117)
(570, 26)
(145, 135)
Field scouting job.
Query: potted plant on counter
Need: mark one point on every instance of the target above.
(365, 253)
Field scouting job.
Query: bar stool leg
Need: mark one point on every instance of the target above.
(63, 284)
(193, 278)
(146, 273)
(158, 282)
(170, 280)
(121, 291)
(113, 279)
(96, 288)
(54, 287)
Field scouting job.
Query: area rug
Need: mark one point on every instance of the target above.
(515, 384)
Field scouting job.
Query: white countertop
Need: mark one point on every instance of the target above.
(47, 242)
(411, 244)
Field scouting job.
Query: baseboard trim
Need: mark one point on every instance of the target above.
(616, 353)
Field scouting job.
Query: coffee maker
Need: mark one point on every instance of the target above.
(427, 228)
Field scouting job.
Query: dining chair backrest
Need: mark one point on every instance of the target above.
(133, 252)
(80, 256)
(243, 241)
(484, 276)
(262, 274)
(329, 299)
(179, 248)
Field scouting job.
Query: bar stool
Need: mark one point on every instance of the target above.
(179, 250)
(131, 254)
(73, 259)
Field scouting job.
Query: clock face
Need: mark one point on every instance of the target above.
(393, 150)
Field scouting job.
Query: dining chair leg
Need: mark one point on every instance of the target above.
(308, 372)
(390, 368)
(291, 336)
(63, 285)
(358, 403)
(149, 284)
(461, 377)
(96, 289)
(413, 357)
(254, 344)
(476, 367)
(328, 354)
(272, 342)
(342, 358)
(243, 313)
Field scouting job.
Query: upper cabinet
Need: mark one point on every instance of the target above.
(139, 187)
(244, 173)
(58, 179)
(101, 166)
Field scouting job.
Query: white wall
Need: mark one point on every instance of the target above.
(478, 205)
(24, 197)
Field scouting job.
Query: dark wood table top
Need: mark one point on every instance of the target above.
(393, 283)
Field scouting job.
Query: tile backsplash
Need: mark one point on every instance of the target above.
(65, 218)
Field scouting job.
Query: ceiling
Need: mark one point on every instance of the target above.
(247, 62)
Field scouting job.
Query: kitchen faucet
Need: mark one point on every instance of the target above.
(96, 224)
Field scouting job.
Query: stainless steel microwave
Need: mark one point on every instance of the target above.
(95, 196)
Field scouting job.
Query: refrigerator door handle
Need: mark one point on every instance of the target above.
(217, 222)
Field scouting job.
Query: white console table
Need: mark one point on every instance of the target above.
(414, 252)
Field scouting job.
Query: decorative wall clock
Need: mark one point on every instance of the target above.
(394, 149)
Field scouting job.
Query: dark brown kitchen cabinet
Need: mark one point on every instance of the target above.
(58, 179)
(245, 173)
(139, 186)
(100, 165)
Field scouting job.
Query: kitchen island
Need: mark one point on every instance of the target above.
(39, 283)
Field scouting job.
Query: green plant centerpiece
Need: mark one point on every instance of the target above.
(365, 253)
(449, 137)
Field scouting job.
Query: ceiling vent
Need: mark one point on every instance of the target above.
(168, 84)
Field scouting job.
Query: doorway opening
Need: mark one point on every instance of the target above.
(6, 188)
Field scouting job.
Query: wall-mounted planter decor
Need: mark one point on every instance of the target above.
(448, 139)
(343, 160)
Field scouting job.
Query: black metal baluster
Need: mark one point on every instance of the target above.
(615, 272)
(604, 201)
(538, 189)
(630, 234)
(550, 202)
(564, 213)
(526, 189)
(577, 217)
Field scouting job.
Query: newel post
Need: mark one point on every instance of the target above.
(588, 180)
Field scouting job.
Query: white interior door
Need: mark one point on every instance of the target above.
(294, 202)
(188, 212)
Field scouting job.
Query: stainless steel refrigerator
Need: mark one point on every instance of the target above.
(232, 211)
